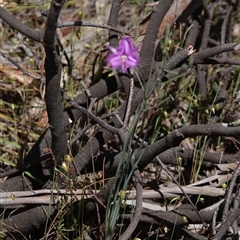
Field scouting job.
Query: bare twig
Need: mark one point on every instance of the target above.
(224, 24)
(22, 28)
(201, 69)
(176, 182)
(24, 166)
(24, 71)
(96, 119)
(90, 24)
(229, 193)
(53, 71)
(137, 213)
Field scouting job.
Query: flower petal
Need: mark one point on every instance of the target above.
(113, 50)
(115, 61)
(131, 64)
(126, 45)
(133, 59)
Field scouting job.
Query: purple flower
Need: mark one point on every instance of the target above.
(125, 55)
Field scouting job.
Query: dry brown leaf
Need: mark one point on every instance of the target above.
(15, 74)
(227, 166)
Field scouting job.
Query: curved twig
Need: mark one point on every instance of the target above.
(138, 211)
(91, 24)
(22, 28)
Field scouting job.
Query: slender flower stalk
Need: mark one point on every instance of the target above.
(124, 56)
